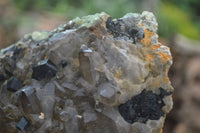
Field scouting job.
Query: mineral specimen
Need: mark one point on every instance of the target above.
(94, 74)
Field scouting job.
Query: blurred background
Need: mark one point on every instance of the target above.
(179, 28)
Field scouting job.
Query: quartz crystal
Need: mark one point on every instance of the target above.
(94, 74)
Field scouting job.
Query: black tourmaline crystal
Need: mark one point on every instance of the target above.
(144, 106)
(23, 123)
(44, 69)
(2, 77)
(14, 84)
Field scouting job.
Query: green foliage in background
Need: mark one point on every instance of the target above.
(73, 8)
(174, 16)
(174, 20)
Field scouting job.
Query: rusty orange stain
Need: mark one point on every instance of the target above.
(140, 25)
(161, 130)
(104, 24)
(154, 47)
(95, 31)
(155, 83)
(165, 57)
(150, 56)
(106, 18)
(147, 39)
(109, 34)
(166, 79)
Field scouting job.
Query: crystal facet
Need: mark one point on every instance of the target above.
(44, 69)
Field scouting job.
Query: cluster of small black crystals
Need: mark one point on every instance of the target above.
(132, 33)
(114, 27)
(143, 107)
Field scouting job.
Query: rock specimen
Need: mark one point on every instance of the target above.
(94, 74)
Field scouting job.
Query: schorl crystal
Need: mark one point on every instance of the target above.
(14, 84)
(2, 77)
(44, 69)
(114, 27)
(23, 123)
(144, 106)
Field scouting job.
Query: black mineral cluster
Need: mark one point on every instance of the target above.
(119, 29)
(143, 107)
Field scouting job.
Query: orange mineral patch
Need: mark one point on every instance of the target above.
(150, 56)
(106, 18)
(165, 57)
(140, 25)
(166, 79)
(161, 130)
(95, 31)
(109, 34)
(154, 47)
(147, 39)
